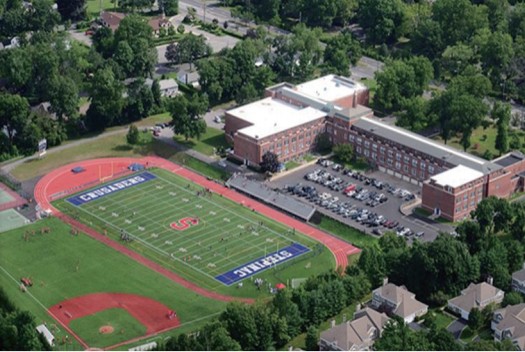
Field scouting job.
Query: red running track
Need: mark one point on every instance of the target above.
(62, 181)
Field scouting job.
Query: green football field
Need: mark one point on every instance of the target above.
(214, 235)
(63, 266)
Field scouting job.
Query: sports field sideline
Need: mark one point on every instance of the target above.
(208, 233)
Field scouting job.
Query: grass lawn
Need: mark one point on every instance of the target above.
(442, 319)
(226, 235)
(114, 145)
(291, 164)
(309, 157)
(467, 334)
(354, 236)
(94, 6)
(481, 141)
(425, 213)
(125, 327)
(207, 144)
(50, 261)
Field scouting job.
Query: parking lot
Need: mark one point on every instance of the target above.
(369, 202)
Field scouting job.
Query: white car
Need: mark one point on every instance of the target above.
(222, 163)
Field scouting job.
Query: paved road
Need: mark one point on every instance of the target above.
(456, 327)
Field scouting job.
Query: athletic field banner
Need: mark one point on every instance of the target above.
(116, 186)
(261, 264)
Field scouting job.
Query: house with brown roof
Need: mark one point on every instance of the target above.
(518, 281)
(509, 323)
(111, 19)
(475, 296)
(159, 23)
(356, 335)
(399, 301)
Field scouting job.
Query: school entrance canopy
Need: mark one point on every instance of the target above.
(259, 191)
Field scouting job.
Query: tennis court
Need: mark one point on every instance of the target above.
(212, 235)
(5, 197)
(11, 219)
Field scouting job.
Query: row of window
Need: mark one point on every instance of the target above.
(465, 206)
(399, 156)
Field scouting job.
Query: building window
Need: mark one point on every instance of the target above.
(335, 132)
(430, 169)
(414, 172)
(374, 156)
(351, 138)
(389, 161)
(458, 200)
(398, 165)
(414, 162)
(374, 146)
(405, 168)
(359, 140)
(472, 203)
(465, 197)
(398, 157)
(367, 153)
(422, 174)
(406, 159)
(465, 207)
(367, 144)
(382, 150)
(358, 149)
(422, 165)
(390, 153)
(382, 158)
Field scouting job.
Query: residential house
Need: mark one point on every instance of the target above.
(168, 87)
(509, 323)
(44, 109)
(111, 19)
(475, 296)
(518, 281)
(397, 300)
(356, 335)
(158, 24)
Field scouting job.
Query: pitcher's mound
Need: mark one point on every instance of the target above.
(106, 329)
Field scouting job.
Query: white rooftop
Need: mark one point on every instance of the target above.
(456, 176)
(269, 116)
(330, 88)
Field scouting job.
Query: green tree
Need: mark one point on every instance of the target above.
(475, 319)
(138, 35)
(344, 153)
(372, 263)
(214, 337)
(382, 20)
(401, 80)
(133, 135)
(512, 298)
(155, 92)
(105, 92)
(283, 305)
(501, 114)
(270, 162)
(397, 336)
(312, 339)
(187, 115)
(64, 98)
(42, 16)
(169, 7)
(190, 48)
(415, 115)
(73, 10)
(297, 55)
(459, 19)
(139, 101)
(14, 114)
(340, 52)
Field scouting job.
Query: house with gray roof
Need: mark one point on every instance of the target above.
(475, 296)
(518, 281)
(397, 300)
(356, 335)
(509, 323)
